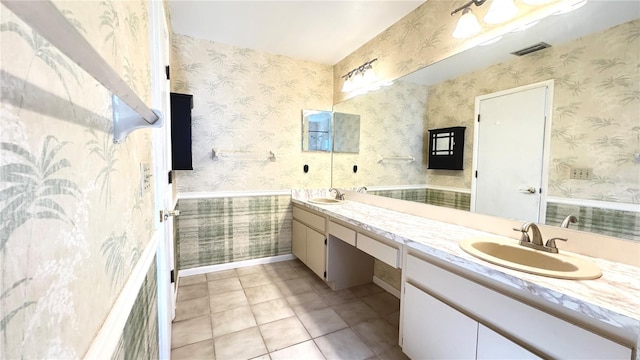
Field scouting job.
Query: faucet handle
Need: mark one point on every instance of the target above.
(551, 243)
(525, 234)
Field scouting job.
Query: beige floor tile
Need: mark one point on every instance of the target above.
(271, 311)
(232, 320)
(250, 270)
(224, 285)
(191, 331)
(282, 274)
(277, 265)
(319, 286)
(378, 334)
(194, 291)
(394, 353)
(245, 344)
(354, 312)
(255, 279)
(343, 344)
(306, 350)
(321, 322)
(383, 303)
(304, 271)
(393, 318)
(366, 290)
(223, 274)
(192, 308)
(305, 302)
(262, 357)
(294, 286)
(190, 280)
(338, 297)
(198, 351)
(295, 262)
(283, 333)
(227, 301)
(262, 293)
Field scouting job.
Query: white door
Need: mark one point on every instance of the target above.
(509, 153)
(164, 194)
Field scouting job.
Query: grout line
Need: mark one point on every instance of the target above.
(301, 274)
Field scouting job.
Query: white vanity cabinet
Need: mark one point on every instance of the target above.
(435, 330)
(308, 241)
(446, 313)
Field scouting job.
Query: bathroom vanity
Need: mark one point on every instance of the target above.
(455, 305)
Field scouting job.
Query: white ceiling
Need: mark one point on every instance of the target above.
(320, 31)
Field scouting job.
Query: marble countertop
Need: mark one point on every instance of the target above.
(613, 299)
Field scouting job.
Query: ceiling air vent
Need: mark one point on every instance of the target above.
(530, 49)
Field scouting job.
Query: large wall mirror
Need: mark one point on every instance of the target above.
(594, 62)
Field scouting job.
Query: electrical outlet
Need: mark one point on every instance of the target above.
(580, 173)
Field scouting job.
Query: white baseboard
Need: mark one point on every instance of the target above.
(105, 342)
(388, 288)
(233, 265)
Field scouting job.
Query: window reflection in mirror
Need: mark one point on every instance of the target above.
(346, 133)
(316, 130)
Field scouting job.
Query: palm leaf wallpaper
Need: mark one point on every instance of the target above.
(595, 121)
(72, 221)
(246, 100)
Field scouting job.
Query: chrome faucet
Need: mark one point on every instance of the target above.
(569, 219)
(362, 189)
(339, 195)
(535, 241)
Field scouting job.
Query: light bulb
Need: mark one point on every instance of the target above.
(348, 85)
(467, 25)
(575, 6)
(535, 2)
(500, 11)
(369, 77)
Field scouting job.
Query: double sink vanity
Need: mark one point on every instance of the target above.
(468, 293)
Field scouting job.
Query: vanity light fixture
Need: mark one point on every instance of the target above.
(535, 2)
(361, 79)
(467, 25)
(575, 6)
(501, 11)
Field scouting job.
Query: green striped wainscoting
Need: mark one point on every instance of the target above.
(139, 339)
(618, 223)
(222, 230)
(450, 199)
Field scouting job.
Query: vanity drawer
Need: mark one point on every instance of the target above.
(309, 218)
(379, 250)
(343, 233)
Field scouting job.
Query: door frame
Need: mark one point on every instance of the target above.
(163, 193)
(546, 148)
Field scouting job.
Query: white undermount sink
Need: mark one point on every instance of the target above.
(509, 254)
(325, 201)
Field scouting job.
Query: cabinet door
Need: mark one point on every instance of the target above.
(181, 105)
(299, 241)
(316, 252)
(492, 345)
(433, 330)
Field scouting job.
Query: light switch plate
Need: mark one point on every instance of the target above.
(581, 173)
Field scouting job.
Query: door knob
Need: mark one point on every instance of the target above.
(164, 214)
(529, 190)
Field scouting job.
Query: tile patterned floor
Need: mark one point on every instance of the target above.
(282, 311)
